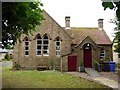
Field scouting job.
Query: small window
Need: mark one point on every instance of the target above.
(102, 53)
(45, 46)
(39, 45)
(39, 41)
(38, 52)
(26, 46)
(58, 47)
(26, 52)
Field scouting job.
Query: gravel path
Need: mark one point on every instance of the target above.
(110, 75)
(107, 78)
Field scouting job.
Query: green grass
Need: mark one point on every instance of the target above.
(43, 79)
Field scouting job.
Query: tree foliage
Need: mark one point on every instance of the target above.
(113, 5)
(116, 7)
(18, 18)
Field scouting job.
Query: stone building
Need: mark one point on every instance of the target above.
(62, 48)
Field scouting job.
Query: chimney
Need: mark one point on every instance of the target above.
(67, 22)
(100, 24)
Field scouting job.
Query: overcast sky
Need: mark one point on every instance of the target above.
(83, 13)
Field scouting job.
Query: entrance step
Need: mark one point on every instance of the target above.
(92, 72)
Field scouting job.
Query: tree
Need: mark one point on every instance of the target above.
(116, 7)
(19, 18)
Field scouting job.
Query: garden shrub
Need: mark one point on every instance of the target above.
(96, 65)
(7, 57)
(17, 66)
(118, 64)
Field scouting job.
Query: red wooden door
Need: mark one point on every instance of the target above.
(87, 57)
(72, 63)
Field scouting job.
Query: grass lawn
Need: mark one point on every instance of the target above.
(43, 79)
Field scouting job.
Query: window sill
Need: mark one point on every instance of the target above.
(46, 55)
(58, 56)
(39, 55)
(26, 55)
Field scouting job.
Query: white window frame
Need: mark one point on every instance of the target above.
(102, 53)
(26, 46)
(58, 49)
(45, 54)
(38, 45)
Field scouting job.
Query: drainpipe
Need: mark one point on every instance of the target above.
(61, 64)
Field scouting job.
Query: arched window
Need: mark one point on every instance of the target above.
(38, 45)
(26, 46)
(102, 53)
(45, 45)
(57, 46)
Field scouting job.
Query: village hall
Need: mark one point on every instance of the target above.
(62, 48)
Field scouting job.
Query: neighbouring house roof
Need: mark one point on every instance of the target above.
(3, 50)
(79, 34)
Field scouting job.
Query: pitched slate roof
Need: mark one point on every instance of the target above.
(79, 34)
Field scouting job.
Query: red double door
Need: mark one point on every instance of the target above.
(72, 63)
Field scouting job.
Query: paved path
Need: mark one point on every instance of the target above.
(100, 79)
(106, 81)
(92, 72)
(6, 63)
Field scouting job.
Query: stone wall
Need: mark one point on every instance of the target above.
(53, 30)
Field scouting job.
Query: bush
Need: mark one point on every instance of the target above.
(96, 65)
(17, 66)
(7, 57)
(3, 59)
(11, 56)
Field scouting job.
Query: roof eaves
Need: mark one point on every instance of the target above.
(107, 36)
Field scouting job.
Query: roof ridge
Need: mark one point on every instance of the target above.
(84, 27)
(56, 23)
